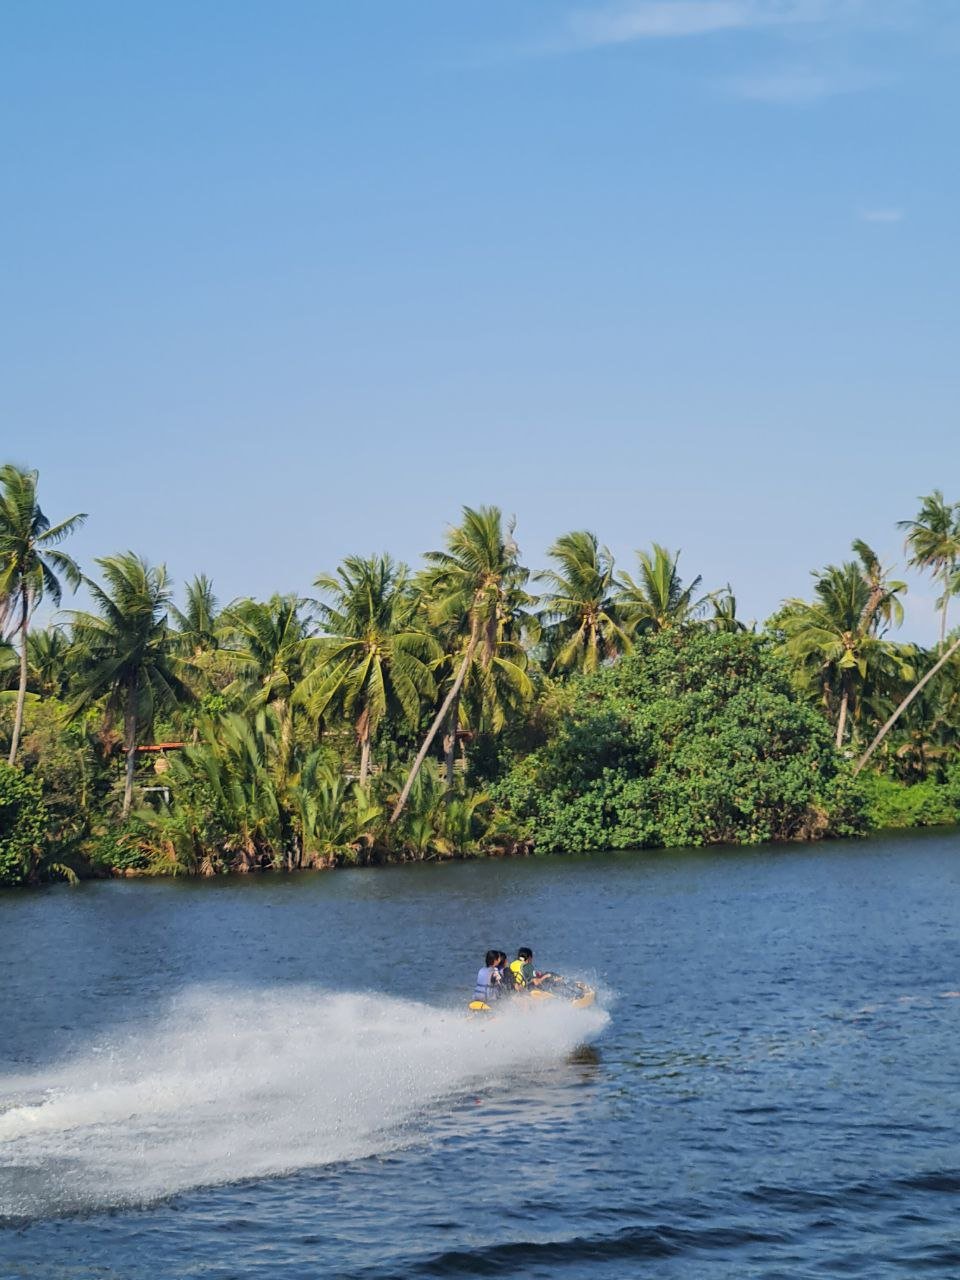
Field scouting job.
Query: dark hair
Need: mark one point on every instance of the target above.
(491, 958)
(524, 954)
(501, 957)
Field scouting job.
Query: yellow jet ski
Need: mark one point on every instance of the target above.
(578, 994)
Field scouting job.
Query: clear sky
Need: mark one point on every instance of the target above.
(287, 281)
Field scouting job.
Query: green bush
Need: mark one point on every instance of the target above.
(23, 824)
(115, 850)
(890, 803)
(696, 738)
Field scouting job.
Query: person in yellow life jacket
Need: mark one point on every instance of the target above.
(524, 974)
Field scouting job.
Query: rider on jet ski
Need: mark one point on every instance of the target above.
(524, 974)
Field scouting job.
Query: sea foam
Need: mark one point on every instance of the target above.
(229, 1085)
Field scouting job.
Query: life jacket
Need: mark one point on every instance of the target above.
(516, 968)
(488, 989)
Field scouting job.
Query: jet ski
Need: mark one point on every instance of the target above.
(578, 994)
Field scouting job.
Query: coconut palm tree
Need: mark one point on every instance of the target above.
(125, 650)
(29, 566)
(724, 617)
(271, 649)
(472, 586)
(197, 622)
(883, 606)
(268, 640)
(658, 601)
(933, 540)
(9, 663)
(928, 731)
(50, 662)
(580, 617)
(497, 684)
(947, 654)
(377, 659)
(838, 637)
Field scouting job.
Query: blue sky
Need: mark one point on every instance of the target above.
(285, 282)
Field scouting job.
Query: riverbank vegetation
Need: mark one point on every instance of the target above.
(468, 706)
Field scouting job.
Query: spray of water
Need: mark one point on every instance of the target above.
(230, 1085)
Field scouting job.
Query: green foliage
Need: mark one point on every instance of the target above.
(836, 643)
(116, 850)
(657, 600)
(581, 622)
(66, 760)
(890, 803)
(375, 659)
(29, 565)
(933, 540)
(233, 808)
(336, 819)
(439, 823)
(300, 718)
(694, 739)
(476, 600)
(23, 823)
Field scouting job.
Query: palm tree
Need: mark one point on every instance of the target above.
(883, 606)
(9, 662)
(724, 618)
(197, 622)
(125, 650)
(50, 661)
(377, 658)
(271, 648)
(659, 601)
(496, 684)
(472, 586)
(915, 692)
(29, 565)
(838, 637)
(933, 539)
(269, 642)
(926, 744)
(334, 817)
(236, 759)
(580, 618)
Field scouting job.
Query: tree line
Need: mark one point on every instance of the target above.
(402, 713)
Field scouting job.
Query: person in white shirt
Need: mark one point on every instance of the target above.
(488, 979)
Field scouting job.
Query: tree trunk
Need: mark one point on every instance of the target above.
(842, 722)
(129, 744)
(943, 613)
(285, 724)
(450, 744)
(904, 704)
(22, 689)
(437, 722)
(365, 757)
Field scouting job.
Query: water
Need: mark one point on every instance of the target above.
(272, 1077)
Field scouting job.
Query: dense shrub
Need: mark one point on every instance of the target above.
(696, 738)
(890, 803)
(23, 822)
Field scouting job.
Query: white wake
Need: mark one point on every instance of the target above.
(232, 1085)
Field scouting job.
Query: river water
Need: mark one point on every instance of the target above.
(272, 1077)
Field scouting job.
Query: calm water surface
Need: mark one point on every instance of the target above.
(271, 1077)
